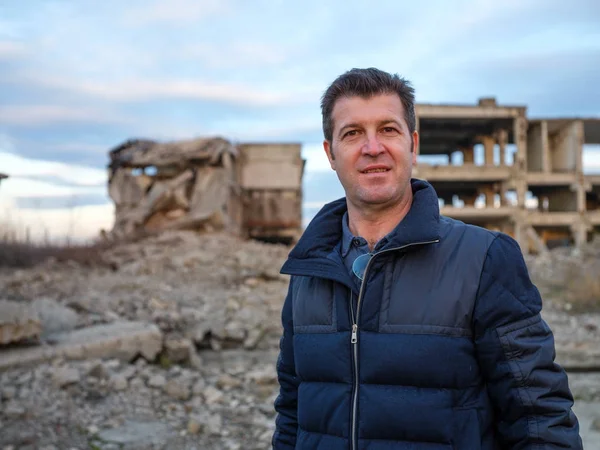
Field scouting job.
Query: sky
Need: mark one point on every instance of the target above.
(79, 78)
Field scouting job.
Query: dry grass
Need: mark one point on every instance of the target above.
(23, 254)
(18, 251)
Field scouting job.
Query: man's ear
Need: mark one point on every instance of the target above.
(329, 152)
(415, 147)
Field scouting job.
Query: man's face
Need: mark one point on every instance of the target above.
(372, 150)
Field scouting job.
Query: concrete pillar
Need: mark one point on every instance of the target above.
(567, 147)
(468, 155)
(488, 192)
(521, 191)
(503, 189)
(488, 145)
(579, 231)
(469, 199)
(580, 192)
(520, 133)
(502, 139)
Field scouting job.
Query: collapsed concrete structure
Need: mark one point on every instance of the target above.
(252, 189)
(530, 183)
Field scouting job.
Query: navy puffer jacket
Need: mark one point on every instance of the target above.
(443, 347)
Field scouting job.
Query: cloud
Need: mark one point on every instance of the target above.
(144, 89)
(59, 201)
(31, 171)
(235, 55)
(175, 12)
(12, 49)
(27, 115)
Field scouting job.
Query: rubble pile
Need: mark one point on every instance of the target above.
(169, 342)
(95, 374)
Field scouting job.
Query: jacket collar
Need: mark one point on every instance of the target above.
(323, 234)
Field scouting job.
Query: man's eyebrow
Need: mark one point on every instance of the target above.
(387, 121)
(349, 125)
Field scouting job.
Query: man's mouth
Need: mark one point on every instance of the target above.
(375, 170)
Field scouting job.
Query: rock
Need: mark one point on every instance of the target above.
(195, 360)
(177, 389)
(54, 317)
(264, 376)
(194, 427)
(14, 410)
(9, 392)
(252, 282)
(206, 422)
(64, 376)
(212, 395)
(198, 387)
(118, 382)
(129, 372)
(98, 371)
(25, 378)
(253, 337)
(595, 424)
(228, 382)
(18, 321)
(139, 433)
(157, 381)
(178, 350)
(235, 331)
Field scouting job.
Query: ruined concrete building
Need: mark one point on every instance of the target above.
(529, 182)
(495, 168)
(254, 190)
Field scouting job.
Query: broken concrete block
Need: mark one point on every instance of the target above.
(122, 340)
(18, 321)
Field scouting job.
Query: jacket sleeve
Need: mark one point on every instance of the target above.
(286, 424)
(515, 348)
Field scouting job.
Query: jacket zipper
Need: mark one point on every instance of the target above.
(354, 334)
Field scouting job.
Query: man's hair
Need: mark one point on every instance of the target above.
(366, 83)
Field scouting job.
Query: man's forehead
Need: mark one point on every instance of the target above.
(374, 108)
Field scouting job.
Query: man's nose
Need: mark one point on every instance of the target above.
(372, 146)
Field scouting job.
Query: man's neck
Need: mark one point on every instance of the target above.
(374, 224)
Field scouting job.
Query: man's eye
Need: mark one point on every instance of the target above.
(351, 133)
(389, 130)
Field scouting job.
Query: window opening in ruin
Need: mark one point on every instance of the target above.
(456, 158)
(457, 202)
(434, 160)
(479, 154)
(509, 154)
(511, 198)
(150, 170)
(531, 201)
(591, 159)
(480, 201)
(497, 155)
(497, 200)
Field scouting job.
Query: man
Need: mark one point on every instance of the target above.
(404, 329)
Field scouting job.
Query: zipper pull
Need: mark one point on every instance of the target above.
(354, 334)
